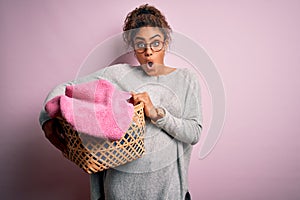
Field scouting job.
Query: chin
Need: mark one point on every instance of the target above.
(149, 72)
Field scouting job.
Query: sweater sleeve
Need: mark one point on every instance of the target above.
(60, 90)
(188, 127)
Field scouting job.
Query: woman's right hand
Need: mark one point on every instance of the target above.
(52, 132)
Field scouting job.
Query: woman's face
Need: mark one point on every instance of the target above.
(149, 49)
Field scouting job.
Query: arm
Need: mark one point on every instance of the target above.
(51, 126)
(60, 90)
(185, 130)
(188, 127)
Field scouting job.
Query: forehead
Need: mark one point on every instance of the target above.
(147, 33)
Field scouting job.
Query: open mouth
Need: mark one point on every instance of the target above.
(150, 64)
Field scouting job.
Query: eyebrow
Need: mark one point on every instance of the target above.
(141, 38)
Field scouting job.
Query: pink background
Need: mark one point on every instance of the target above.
(255, 46)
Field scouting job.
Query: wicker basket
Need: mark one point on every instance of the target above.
(95, 154)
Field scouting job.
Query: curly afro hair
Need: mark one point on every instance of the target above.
(145, 16)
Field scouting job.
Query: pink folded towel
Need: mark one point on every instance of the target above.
(95, 108)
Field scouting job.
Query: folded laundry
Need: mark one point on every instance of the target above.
(95, 108)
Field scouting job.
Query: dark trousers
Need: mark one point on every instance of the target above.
(187, 196)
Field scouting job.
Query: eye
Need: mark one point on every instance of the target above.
(140, 45)
(155, 43)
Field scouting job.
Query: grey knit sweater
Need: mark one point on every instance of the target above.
(162, 173)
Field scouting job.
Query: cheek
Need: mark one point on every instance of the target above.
(157, 56)
(160, 55)
(139, 58)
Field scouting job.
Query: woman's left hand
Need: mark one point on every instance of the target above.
(149, 108)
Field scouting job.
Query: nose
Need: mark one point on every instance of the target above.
(148, 52)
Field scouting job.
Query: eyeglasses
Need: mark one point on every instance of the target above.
(155, 46)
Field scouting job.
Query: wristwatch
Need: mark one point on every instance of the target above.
(160, 114)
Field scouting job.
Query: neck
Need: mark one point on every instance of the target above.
(165, 70)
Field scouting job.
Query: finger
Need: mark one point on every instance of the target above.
(137, 98)
(53, 134)
(57, 143)
(134, 99)
(59, 131)
(60, 135)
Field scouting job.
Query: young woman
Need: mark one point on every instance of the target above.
(171, 98)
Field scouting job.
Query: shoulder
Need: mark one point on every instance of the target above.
(188, 74)
(188, 79)
(108, 71)
(117, 71)
(122, 66)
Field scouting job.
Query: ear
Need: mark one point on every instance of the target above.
(166, 45)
